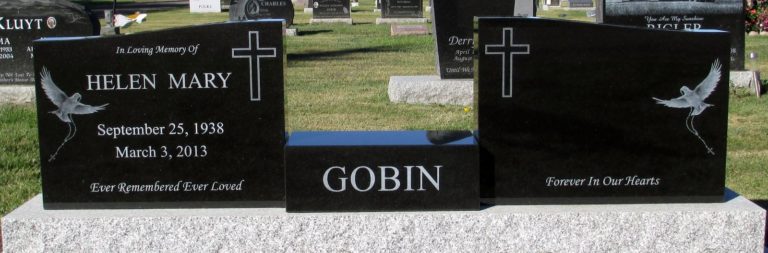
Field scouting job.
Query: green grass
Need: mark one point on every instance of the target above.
(19, 160)
(337, 79)
(354, 95)
(561, 13)
(747, 160)
(758, 44)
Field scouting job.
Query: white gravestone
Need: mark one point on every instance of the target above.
(202, 6)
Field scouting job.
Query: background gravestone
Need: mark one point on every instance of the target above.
(203, 6)
(174, 118)
(261, 9)
(26, 20)
(453, 30)
(580, 3)
(331, 9)
(621, 121)
(402, 9)
(726, 15)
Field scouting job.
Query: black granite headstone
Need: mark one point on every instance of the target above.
(402, 9)
(174, 118)
(261, 9)
(331, 9)
(727, 15)
(22, 21)
(378, 4)
(381, 171)
(453, 31)
(629, 115)
(580, 3)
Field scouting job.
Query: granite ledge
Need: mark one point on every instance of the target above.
(17, 94)
(734, 226)
(430, 90)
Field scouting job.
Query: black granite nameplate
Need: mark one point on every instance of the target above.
(453, 31)
(174, 118)
(726, 15)
(261, 9)
(638, 115)
(22, 21)
(331, 9)
(381, 171)
(402, 9)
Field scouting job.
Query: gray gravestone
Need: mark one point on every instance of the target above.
(331, 9)
(580, 3)
(402, 9)
(261, 9)
(22, 21)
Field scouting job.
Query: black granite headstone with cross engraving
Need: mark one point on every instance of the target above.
(636, 116)
(173, 118)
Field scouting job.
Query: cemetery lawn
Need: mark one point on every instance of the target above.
(337, 80)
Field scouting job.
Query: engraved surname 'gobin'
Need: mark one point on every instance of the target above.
(388, 178)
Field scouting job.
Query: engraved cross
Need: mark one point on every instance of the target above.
(254, 53)
(507, 50)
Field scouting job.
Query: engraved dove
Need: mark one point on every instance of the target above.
(67, 106)
(694, 99)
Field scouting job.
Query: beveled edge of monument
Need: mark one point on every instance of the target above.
(410, 210)
(304, 139)
(163, 205)
(727, 196)
(33, 209)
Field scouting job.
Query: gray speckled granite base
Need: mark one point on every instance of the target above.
(17, 94)
(735, 226)
(742, 79)
(429, 90)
